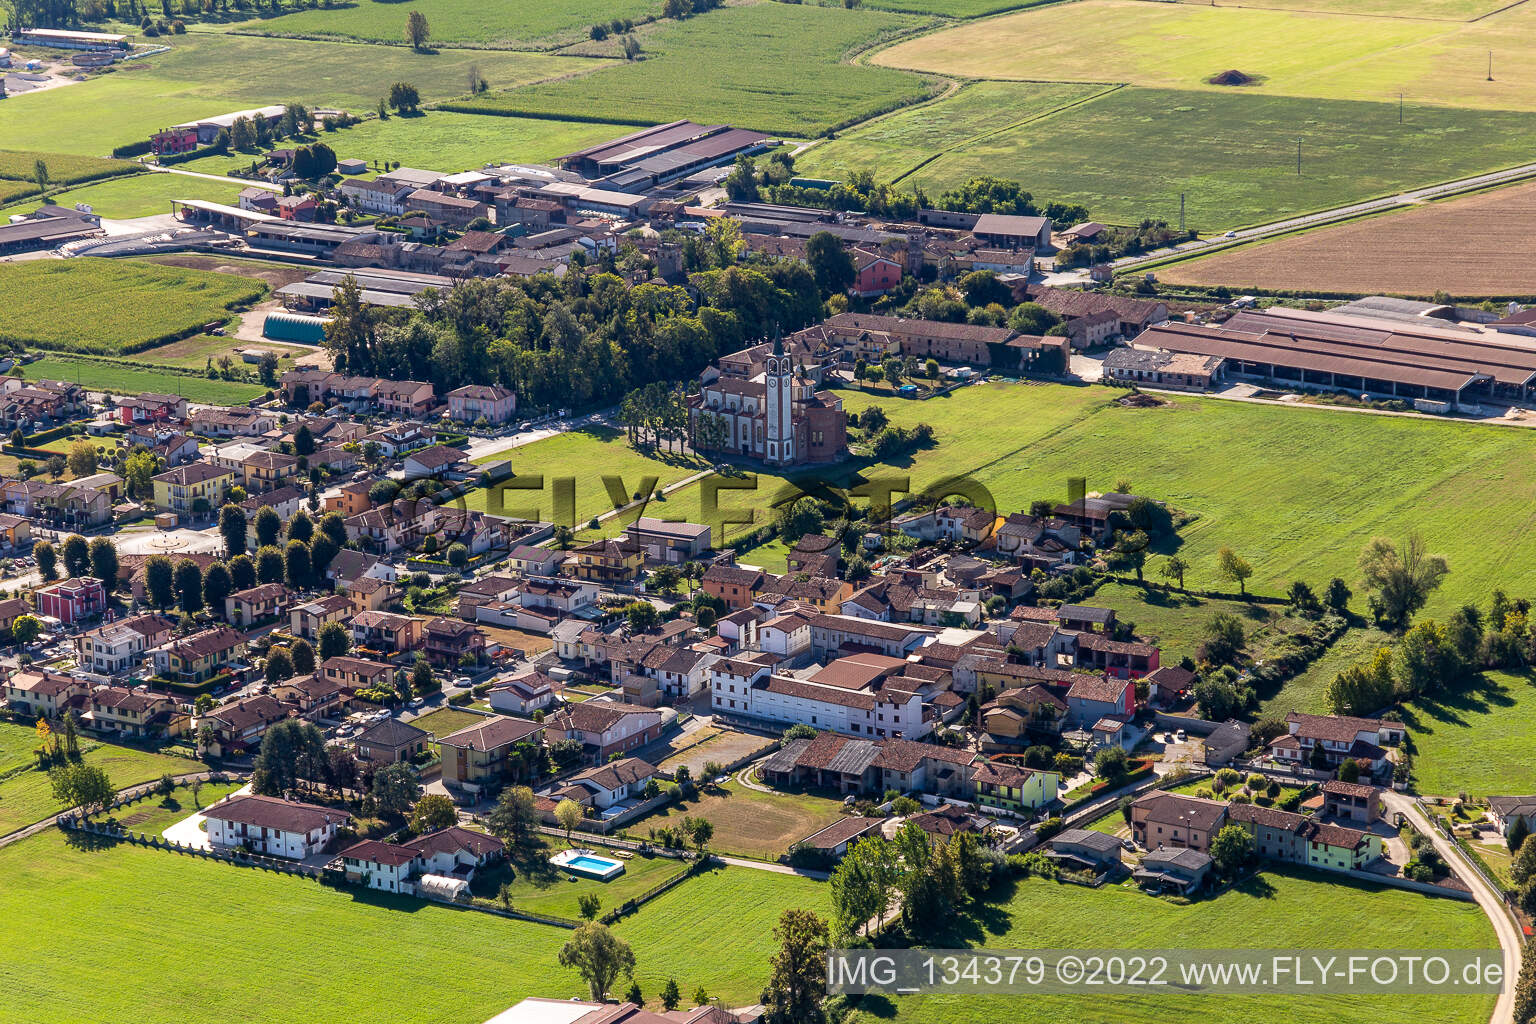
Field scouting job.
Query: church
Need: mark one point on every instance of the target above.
(776, 416)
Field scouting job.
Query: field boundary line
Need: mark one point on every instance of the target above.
(1342, 14)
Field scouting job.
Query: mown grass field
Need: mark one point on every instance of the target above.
(1176, 622)
(139, 195)
(770, 66)
(897, 144)
(539, 887)
(27, 797)
(447, 720)
(63, 169)
(1274, 911)
(1308, 692)
(131, 378)
(193, 353)
(748, 823)
(364, 950)
(511, 23)
(1290, 53)
(1397, 254)
(1129, 154)
(1477, 742)
(211, 73)
(109, 307)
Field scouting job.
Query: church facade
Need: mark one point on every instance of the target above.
(776, 416)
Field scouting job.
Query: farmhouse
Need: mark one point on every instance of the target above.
(1184, 370)
(1338, 738)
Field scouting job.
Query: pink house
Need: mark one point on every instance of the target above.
(873, 274)
(72, 600)
(472, 401)
(297, 207)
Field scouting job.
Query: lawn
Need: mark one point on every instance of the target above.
(27, 796)
(509, 23)
(127, 378)
(749, 823)
(539, 887)
(140, 195)
(63, 169)
(771, 66)
(894, 146)
(104, 306)
(193, 353)
(153, 814)
(1288, 53)
(363, 950)
(1477, 742)
(1308, 691)
(444, 721)
(584, 464)
(1277, 910)
(211, 73)
(1176, 622)
(1128, 154)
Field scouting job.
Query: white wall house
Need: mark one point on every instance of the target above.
(271, 826)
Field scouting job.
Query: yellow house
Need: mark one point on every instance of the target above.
(194, 489)
(265, 471)
(1012, 787)
(1014, 711)
(200, 656)
(610, 561)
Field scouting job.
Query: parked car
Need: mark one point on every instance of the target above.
(417, 702)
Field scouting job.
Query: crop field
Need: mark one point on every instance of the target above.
(508, 24)
(1130, 153)
(211, 73)
(951, 8)
(895, 145)
(1441, 10)
(27, 797)
(63, 169)
(132, 377)
(140, 195)
(103, 306)
(771, 66)
(1289, 53)
(1397, 254)
(1274, 910)
(1477, 741)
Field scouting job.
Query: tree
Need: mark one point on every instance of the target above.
(269, 526)
(1523, 867)
(137, 470)
(47, 560)
(1517, 834)
(335, 641)
(642, 616)
(189, 586)
(797, 518)
(1224, 638)
(798, 975)
(40, 174)
(1427, 661)
(417, 32)
(26, 629)
(1233, 568)
(160, 581)
(1109, 763)
(701, 832)
(434, 812)
(1173, 570)
(404, 98)
(422, 680)
(395, 788)
(1364, 687)
(296, 566)
(830, 263)
(513, 818)
(270, 565)
(77, 555)
(242, 572)
(104, 562)
(569, 814)
(670, 994)
(77, 784)
(217, 585)
(82, 458)
(587, 904)
(290, 750)
(1402, 577)
(301, 527)
(279, 665)
(458, 555)
(598, 956)
(1525, 986)
(1230, 848)
(232, 529)
(1337, 595)
(56, 466)
(303, 656)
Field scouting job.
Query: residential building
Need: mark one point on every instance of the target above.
(390, 741)
(193, 489)
(256, 605)
(605, 785)
(355, 674)
(604, 727)
(1011, 787)
(44, 693)
(489, 402)
(385, 632)
(272, 826)
(72, 600)
(1339, 737)
(1171, 820)
(239, 725)
(477, 755)
(118, 648)
(1179, 870)
(136, 712)
(1352, 801)
(200, 656)
(307, 620)
(452, 642)
(669, 542)
(609, 561)
(1084, 850)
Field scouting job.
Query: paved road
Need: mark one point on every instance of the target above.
(126, 793)
(778, 869)
(242, 182)
(1493, 906)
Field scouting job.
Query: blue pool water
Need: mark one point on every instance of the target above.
(594, 864)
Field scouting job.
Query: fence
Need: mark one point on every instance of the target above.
(1468, 855)
(631, 905)
(70, 823)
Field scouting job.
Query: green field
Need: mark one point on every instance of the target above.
(771, 66)
(128, 378)
(749, 823)
(510, 23)
(1176, 622)
(27, 796)
(538, 887)
(1477, 742)
(104, 306)
(444, 721)
(1287, 53)
(1275, 910)
(212, 73)
(1444, 10)
(140, 195)
(897, 144)
(193, 353)
(63, 169)
(951, 8)
(363, 950)
(1308, 691)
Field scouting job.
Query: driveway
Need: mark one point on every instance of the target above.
(189, 831)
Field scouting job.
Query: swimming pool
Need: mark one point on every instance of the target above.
(586, 862)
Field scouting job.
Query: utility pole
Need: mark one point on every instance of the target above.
(1298, 158)
(1181, 213)
(1399, 108)
(1490, 65)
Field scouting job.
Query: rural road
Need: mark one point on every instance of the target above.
(1487, 899)
(1280, 227)
(127, 793)
(242, 182)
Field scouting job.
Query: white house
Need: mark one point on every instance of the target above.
(379, 865)
(605, 785)
(523, 695)
(275, 827)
